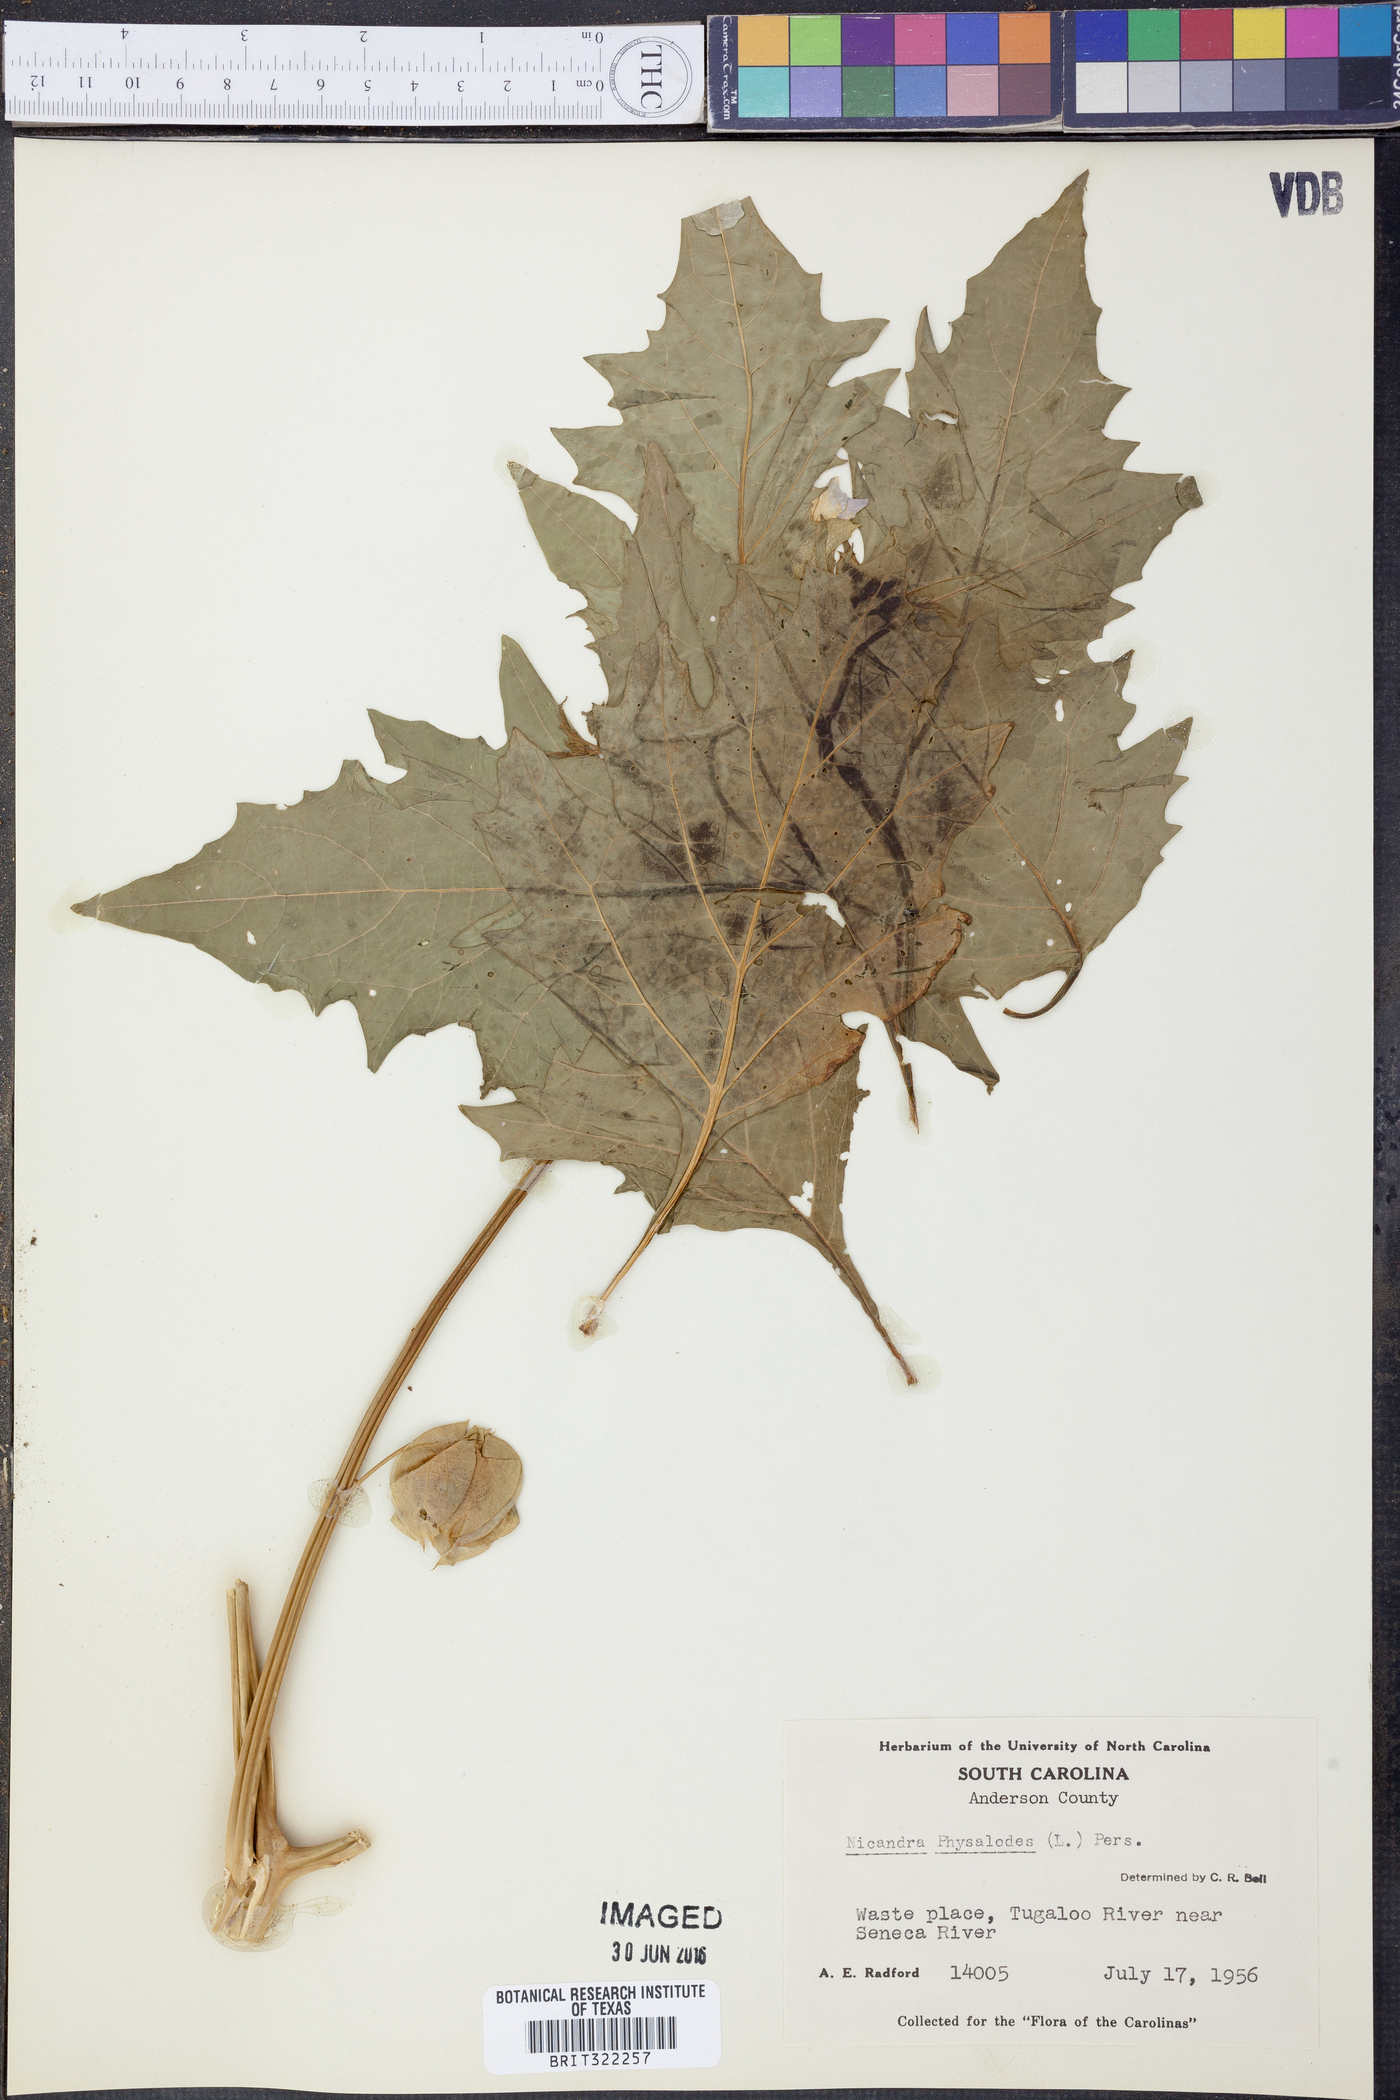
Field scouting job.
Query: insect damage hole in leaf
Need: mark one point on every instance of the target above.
(831, 777)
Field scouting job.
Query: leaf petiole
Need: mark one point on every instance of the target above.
(258, 1861)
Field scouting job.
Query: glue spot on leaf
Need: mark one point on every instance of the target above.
(275, 1934)
(928, 1375)
(545, 1186)
(720, 217)
(323, 1906)
(586, 1313)
(900, 1329)
(354, 1502)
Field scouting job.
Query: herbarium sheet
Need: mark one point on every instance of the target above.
(825, 692)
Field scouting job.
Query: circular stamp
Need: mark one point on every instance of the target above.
(651, 77)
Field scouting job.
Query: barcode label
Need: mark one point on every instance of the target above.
(609, 2026)
(600, 2034)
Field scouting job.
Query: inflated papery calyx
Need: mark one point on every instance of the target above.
(454, 1489)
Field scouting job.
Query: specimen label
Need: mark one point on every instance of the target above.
(1104, 1880)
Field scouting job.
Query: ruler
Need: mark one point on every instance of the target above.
(198, 73)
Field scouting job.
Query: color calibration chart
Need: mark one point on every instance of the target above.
(1253, 66)
(1114, 69)
(884, 72)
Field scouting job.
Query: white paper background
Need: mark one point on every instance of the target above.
(263, 394)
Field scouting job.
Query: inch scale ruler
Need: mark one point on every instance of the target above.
(198, 73)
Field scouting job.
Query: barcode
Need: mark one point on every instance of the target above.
(563, 2037)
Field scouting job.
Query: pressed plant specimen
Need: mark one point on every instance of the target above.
(855, 762)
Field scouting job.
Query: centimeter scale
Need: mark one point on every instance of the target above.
(201, 74)
(1295, 66)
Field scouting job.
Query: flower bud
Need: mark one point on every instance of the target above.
(454, 1489)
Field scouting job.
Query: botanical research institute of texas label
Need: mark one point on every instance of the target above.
(1051, 1881)
(612, 2026)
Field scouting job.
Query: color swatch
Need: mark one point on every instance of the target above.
(1263, 66)
(1121, 69)
(884, 72)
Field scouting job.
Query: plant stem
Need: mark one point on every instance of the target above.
(258, 1862)
(847, 1271)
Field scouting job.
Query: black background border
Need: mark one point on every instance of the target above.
(1386, 587)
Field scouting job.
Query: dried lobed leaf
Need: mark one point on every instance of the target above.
(906, 731)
